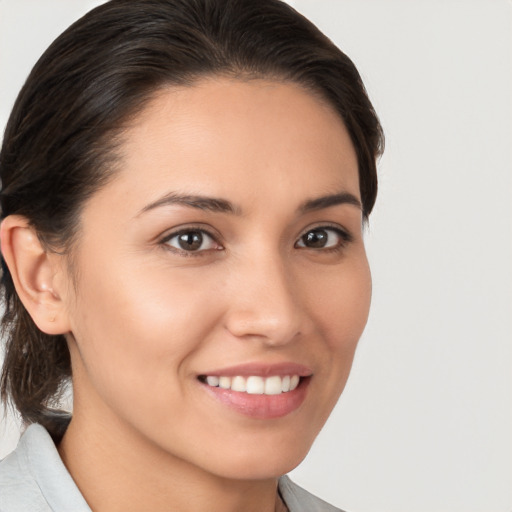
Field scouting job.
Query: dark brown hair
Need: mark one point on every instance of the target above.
(60, 141)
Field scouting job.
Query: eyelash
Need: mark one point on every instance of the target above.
(344, 236)
(191, 229)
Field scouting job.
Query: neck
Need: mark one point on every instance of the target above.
(118, 470)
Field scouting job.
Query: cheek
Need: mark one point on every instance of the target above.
(343, 306)
(342, 313)
(135, 330)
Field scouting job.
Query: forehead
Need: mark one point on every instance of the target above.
(225, 137)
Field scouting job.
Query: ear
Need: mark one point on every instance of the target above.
(38, 275)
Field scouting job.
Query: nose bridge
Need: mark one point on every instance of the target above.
(265, 303)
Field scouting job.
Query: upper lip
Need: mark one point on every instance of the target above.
(262, 370)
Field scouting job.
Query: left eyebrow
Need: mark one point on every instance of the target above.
(330, 200)
(198, 202)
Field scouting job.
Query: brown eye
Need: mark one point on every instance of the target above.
(190, 241)
(323, 238)
(316, 239)
(193, 240)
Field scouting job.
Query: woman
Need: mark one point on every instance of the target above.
(184, 184)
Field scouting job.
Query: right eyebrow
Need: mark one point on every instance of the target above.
(205, 203)
(330, 200)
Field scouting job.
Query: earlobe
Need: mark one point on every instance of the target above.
(34, 271)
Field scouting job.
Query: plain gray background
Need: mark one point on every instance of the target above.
(425, 423)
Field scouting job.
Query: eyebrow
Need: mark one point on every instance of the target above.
(217, 205)
(331, 200)
(210, 204)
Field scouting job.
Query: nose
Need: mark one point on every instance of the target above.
(265, 303)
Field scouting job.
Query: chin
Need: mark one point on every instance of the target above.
(261, 462)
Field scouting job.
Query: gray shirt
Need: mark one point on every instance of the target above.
(33, 478)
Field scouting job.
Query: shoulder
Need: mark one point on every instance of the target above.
(33, 477)
(18, 488)
(298, 499)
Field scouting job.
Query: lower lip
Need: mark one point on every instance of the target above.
(262, 406)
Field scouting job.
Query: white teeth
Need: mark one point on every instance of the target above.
(294, 382)
(255, 385)
(273, 386)
(225, 382)
(212, 380)
(238, 384)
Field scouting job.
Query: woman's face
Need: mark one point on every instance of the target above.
(227, 254)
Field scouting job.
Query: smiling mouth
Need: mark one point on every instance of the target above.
(254, 384)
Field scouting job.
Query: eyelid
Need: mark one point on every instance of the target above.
(342, 232)
(163, 240)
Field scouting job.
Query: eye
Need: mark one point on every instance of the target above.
(323, 238)
(192, 240)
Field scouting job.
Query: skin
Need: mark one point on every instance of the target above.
(144, 318)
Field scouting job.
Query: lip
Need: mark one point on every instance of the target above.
(262, 370)
(262, 407)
